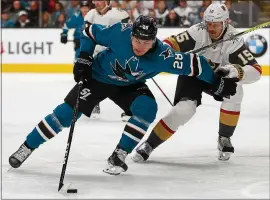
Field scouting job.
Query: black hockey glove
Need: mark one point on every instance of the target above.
(64, 38)
(224, 87)
(83, 67)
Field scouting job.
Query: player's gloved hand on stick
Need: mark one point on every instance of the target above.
(230, 71)
(83, 67)
(64, 38)
(224, 87)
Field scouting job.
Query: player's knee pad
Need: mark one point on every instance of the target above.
(180, 114)
(234, 102)
(64, 114)
(145, 108)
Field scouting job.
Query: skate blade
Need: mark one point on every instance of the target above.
(224, 156)
(11, 169)
(113, 170)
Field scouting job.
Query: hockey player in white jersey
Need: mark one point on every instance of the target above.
(104, 14)
(188, 93)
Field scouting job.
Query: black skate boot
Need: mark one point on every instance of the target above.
(17, 158)
(225, 148)
(116, 162)
(96, 112)
(142, 152)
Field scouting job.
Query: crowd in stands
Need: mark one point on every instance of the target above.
(170, 13)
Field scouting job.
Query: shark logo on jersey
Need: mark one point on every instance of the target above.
(167, 53)
(125, 26)
(126, 74)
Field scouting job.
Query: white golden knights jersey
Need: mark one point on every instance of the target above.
(111, 17)
(229, 52)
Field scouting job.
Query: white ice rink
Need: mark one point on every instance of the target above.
(186, 166)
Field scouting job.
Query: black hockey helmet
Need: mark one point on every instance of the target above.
(145, 28)
(84, 3)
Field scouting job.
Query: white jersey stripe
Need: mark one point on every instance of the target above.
(49, 128)
(41, 134)
(132, 137)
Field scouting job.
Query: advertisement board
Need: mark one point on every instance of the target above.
(40, 50)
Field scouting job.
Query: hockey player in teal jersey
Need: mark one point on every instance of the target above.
(77, 22)
(119, 72)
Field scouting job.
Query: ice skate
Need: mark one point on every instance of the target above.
(17, 158)
(116, 162)
(96, 112)
(225, 148)
(142, 153)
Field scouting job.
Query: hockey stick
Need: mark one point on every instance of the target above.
(74, 118)
(162, 91)
(232, 37)
(216, 43)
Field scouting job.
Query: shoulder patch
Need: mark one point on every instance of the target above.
(167, 53)
(234, 39)
(125, 26)
(201, 26)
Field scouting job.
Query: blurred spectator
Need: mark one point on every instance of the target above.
(5, 21)
(116, 4)
(241, 10)
(152, 13)
(23, 21)
(194, 5)
(233, 18)
(47, 5)
(201, 12)
(5, 5)
(46, 20)
(128, 5)
(15, 9)
(150, 4)
(183, 11)
(172, 19)
(58, 9)
(242, 13)
(170, 5)
(72, 8)
(24, 4)
(205, 4)
(65, 3)
(161, 12)
(60, 21)
(33, 13)
(131, 19)
(139, 10)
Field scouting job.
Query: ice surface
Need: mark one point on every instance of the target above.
(186, 166)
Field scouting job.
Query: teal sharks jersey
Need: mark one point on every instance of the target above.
(118, 64)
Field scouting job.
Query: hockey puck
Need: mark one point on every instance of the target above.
(72, 191)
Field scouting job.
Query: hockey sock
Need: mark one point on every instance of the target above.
(159, 134)
(227, 122)
(50, 126)
(133, 133)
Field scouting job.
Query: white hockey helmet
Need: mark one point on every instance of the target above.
(217, 12)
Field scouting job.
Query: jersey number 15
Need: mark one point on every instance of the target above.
(245, 56)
